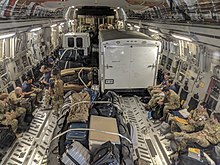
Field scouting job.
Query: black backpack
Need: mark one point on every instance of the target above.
(106, 154)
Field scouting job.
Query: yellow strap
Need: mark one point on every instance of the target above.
(181, 120)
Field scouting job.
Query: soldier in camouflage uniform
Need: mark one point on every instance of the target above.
(209, 135)
(47, 75)
(7, 117)
(196, 120)
(15, 99)
(56, 91)
(171, 101)
(157, 89)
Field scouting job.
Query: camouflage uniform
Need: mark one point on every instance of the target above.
(173, 102)
(199, 117)
(15, 101)
(209, 135)
(155, 98)
(11, 121)
(56, 87)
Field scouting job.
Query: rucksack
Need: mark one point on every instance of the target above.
(107, 153)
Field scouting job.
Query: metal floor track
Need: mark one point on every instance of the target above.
(31, 148)
(153, 148)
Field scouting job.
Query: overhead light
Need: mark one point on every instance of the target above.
(182, 37)
(54, 25)
(73, 6)
(61, 24)
(77, 9)
(136, 26)
(153, 30)
(115, 10)
(118, 8)
(35, 29)
(7, 35)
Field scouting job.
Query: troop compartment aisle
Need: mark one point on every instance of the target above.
(32, 146)
(152, 147)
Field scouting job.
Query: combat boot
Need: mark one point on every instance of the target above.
(169, 136)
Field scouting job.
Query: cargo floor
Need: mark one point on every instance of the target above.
(32, 147)
(153, 148)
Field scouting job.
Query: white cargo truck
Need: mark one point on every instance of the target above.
(128, 60)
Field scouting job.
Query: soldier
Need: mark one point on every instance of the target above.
(171, 101)
(170, 85)
(157, 88)
(47, 75)
(209, 135)
(31, 91)
(7, 118)
(196, 120)
(15, 98)
(56, 91)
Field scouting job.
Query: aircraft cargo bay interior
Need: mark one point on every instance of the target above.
(109, 82)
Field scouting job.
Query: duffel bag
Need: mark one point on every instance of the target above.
(7, 137)
(106, 154)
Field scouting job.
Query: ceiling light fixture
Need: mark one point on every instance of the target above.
(35, 29)
(52, 26)
(136, 26)
(153, 30)
(7, 35)
(182, 37)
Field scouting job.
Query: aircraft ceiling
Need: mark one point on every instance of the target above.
(178, 10)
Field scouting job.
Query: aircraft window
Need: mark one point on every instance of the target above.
(18, 82)
(10, 88)
(79, 42)
(163, 60)
(25, 61)
(70, 42)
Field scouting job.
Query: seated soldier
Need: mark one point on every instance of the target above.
(170, 85)
(157, 88)
(159, 95)
(171, 101)
(7, 117)
(206, 137)
(15, 98)
(31, 91)
(196, 120)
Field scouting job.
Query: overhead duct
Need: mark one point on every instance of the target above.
(149, 3)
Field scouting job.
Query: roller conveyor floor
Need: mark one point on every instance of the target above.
(31, 148)
(153, 148)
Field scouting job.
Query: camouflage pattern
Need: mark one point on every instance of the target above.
(46, 98)
(79, 110)
(196, 120)
(172, 102)
(155, 98)
(14, 101)
(209, 135)
(57, 94)
(8, 118)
